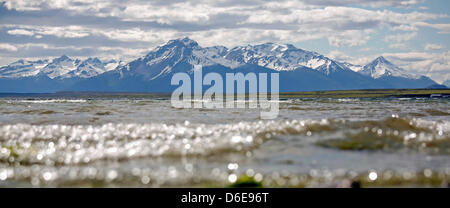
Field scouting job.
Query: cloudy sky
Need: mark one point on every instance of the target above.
(414, 34)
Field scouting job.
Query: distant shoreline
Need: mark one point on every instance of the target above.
(371, 93)
(368, 93)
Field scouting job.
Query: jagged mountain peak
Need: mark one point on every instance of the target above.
(274, 47)
(186, 41)
(88, 68)
(20, 61)
(60, 67)
(27, 62)
(178, 52)
(282, 57)
(94, 60)
(22, 68)
(446, 83)
(381, 67)
(381, 59)
(62, 58)
(183, 46)
(91, 61)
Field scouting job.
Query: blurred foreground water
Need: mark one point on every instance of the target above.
(126, 141)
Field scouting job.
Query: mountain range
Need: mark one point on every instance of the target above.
(299, 70)
(446, 83)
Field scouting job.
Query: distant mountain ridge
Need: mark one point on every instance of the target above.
(446, 83)
(299, 70)
(380, 67)
(59, 68)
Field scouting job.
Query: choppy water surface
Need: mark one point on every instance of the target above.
(123, 141)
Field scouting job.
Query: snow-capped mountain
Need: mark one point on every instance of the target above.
(59, 68)
(282, 57)
(113, 64)
(279, 57)
(380, 67)
(353, 67)
(91, 67)
(299, 70)
(163, 59)
(446, 83)
(22, 68)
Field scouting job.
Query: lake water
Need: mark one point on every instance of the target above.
(141, 141)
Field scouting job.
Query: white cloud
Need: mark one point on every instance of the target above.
(332, 20)
(405, 28)
(167, 15)
(400, 37)
(72, 31)
(241, 36)
(46, 51)
(8, 47)
(76, 31)
(398, 45)
(339, 56)
(444, 28)
(344, 17)
(365, 49)
(233, 37)
(229, 37)
(65, 32)
(105, 6)
(434, 65)
(121, 53)
(350, 38)
(20, 32)
(137, 34)
(430, 47)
